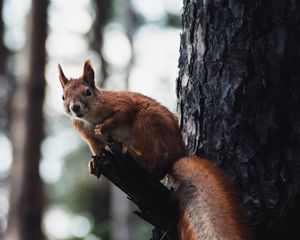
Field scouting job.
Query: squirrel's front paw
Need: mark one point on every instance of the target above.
(97, 129)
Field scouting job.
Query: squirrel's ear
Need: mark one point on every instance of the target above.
(88, 74)
(62, 77)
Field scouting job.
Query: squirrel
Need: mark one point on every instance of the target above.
(150, 134)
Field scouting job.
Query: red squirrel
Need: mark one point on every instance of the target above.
(150, 134)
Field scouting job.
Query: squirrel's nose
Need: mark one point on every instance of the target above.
(75, 108)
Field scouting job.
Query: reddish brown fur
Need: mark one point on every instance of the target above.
(148, 129)
(212, 202)
(150, 133)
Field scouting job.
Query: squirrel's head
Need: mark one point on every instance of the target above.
(79, 94)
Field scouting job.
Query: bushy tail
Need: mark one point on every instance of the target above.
(208, 208)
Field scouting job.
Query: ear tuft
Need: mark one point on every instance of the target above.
(88, 74)
(62, 77)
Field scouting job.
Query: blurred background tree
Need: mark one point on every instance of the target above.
(27, 132)
(6, 82)
(133, 45)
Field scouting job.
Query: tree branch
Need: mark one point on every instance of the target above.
(155, 202)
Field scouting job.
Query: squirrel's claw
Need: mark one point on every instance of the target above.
(97, 129)
(124, 149)
(93, 168)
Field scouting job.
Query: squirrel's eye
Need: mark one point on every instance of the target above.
(88, 92)
(63, 97)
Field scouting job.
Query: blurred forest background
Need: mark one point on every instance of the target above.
(45, 189)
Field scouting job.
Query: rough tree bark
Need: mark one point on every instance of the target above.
(157, 205)
(238, 89)
(26, 198)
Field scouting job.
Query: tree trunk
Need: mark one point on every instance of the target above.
(26, 198)
(127, 17)
(119, 207)
(3, 49)
(6, 80)
(238, 90)
(102, 12)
